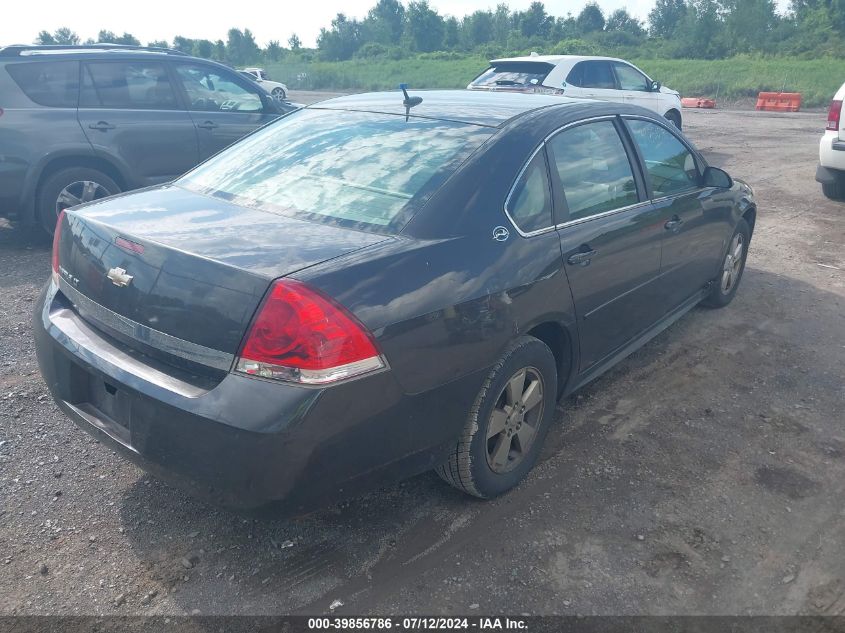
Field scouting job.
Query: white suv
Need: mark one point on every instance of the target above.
(831, 170)
(602, 78)
(259, 76)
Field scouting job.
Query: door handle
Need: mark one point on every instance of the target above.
(101, 125)
(207, 125)
(581, 258)
(674, 224)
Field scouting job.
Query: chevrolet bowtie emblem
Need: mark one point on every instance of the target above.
(119, 277)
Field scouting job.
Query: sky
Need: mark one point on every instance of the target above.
(277, 20)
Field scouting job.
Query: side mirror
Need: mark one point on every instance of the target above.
(719, 178)
(655, 86)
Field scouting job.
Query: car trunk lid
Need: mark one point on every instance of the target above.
(168, 268)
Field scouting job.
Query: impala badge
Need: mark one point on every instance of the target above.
(119, 277)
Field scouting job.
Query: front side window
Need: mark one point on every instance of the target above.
(359, 170)
(670, 164)
(592, 74)
(212, 91)
(630, 78)
(530, 203)
(132, 85)
(593, 167)
(53, 84)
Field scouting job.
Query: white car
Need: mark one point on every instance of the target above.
(831, 170)
(259, 76)
(604, 78)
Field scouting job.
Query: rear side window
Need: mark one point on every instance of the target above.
(513, 75)
(671, 166)
(530, 202)
(592, 74)
(594, 169)
(53, 84)
(132, 85)
(354, 169)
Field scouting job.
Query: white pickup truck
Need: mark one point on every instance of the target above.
(831, 170)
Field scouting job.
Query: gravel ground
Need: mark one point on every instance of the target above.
(704, 475)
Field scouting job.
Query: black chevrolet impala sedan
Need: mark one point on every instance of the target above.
(376, 286)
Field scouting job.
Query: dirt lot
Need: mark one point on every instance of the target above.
(705, 474)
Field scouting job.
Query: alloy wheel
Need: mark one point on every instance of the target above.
(733, 264)
(78, 192)
(514, 421)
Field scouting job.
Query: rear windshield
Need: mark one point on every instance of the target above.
(355, 169)
(514, 74)
(53, 84)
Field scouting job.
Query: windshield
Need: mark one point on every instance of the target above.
(514, 74)
(355, 169)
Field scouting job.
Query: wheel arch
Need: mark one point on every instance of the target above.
(57, 163)
(559, 340)
(674, 112)
(750, 216)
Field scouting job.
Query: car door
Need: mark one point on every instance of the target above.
(609, 241)
(634, 86)
(130, 112)
(695, 220)
(224, 106)
(592, 79)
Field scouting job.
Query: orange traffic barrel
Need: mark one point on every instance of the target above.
(779, 101)
(698, 102)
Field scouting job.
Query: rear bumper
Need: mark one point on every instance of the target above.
(244, 442)
(832, 152)
(827, 176)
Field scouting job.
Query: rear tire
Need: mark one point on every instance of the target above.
(733, 265)
(674, 117)
(835, 190)
(508, 423)
(69, 187)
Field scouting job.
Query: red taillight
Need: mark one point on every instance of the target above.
(833, 115)
(301, 336)
(57, 238)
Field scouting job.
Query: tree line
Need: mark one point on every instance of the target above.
(703, 29)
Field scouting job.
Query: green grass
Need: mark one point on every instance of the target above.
(727, 79)
(741, 77)
(380, 74)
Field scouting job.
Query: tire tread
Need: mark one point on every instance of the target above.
(457, 470)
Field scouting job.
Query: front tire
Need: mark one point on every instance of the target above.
(506, 427)
(674, 117)
(279, 94)
(733, 265)
(67, 188)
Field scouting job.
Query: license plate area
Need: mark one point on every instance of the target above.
(108, 399)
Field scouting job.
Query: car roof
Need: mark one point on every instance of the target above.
(553, 59)
(23, 52)
(465, 106)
